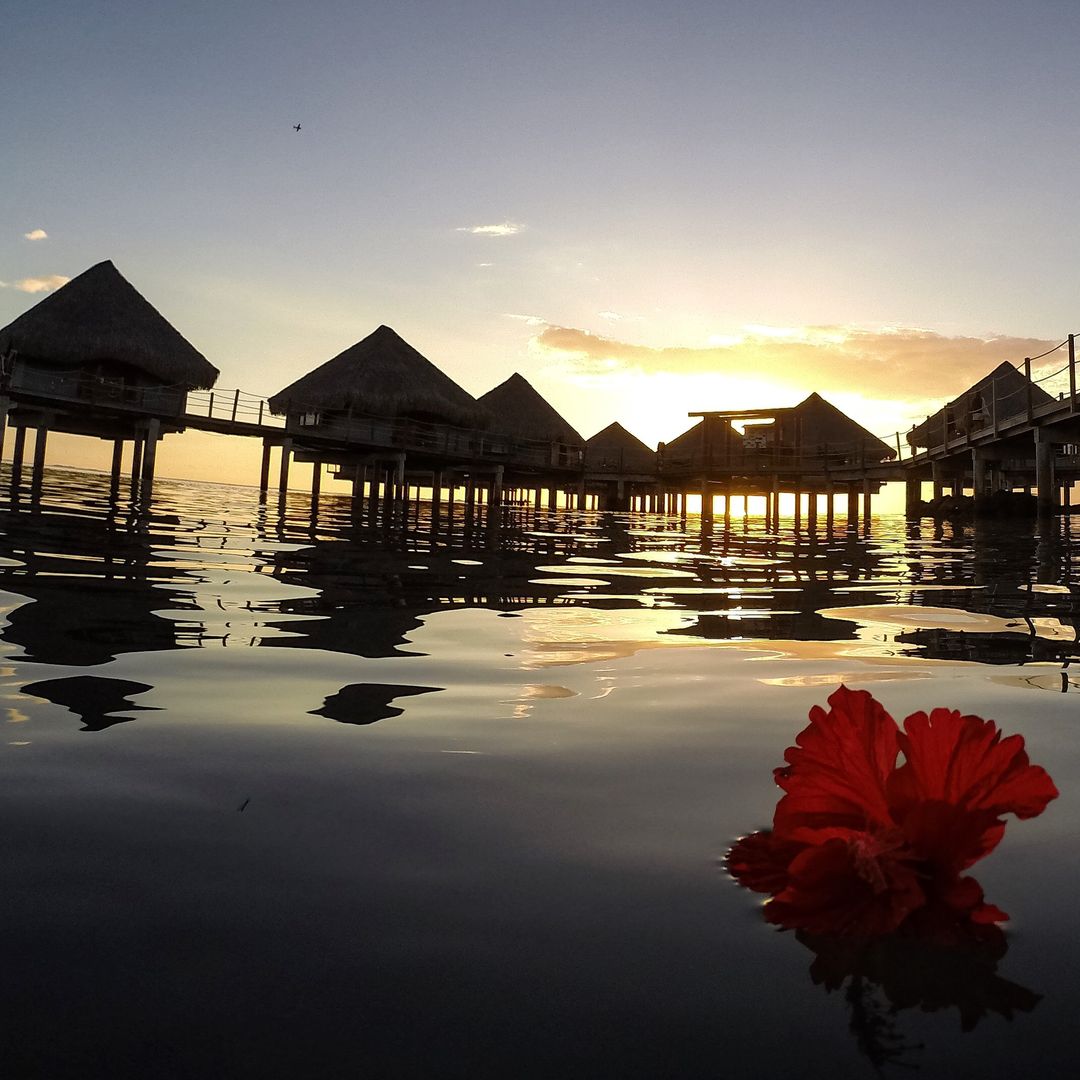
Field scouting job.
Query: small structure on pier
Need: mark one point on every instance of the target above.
(1004, 393)
(96, 358)
(516, 404)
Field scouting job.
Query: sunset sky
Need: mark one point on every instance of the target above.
(646, 209)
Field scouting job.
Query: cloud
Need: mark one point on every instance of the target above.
(507, 228)
(36, 285)
(484, 265)
(528, 320)
(611, 316)
(907, 363)
(36, 234)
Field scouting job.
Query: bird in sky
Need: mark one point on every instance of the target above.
(296, 127)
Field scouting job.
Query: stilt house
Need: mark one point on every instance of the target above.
(1004, 393)
(96, 358)
(515, 407)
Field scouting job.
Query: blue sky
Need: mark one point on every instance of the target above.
(664, 179)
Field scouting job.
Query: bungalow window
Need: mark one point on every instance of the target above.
(309, 419)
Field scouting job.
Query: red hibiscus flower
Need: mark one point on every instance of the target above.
(861, 846)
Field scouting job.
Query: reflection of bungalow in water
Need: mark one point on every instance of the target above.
(515, 405)
(381, 392)
(812, 432)
(95, 358)
(995, 397)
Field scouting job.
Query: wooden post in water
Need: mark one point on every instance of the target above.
(316, 483)
(136, 462)
(264, 472)
(811, 511)
(830, 507)
(117, 466)
(866, 501)
(912, 495)
(707, 506)
(37, 477)
(5, 408)
(153, 434)
(1044, 472)
(798, 507)
(283, 474)
(1028, 388)
(853, 506)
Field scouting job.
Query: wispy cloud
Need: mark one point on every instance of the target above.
(611, 316)
(528, 320)
(895, 362)
(507, 228)
(36, 234)
(484, 265)
(36, 284)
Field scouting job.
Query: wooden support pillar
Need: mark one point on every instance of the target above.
(552, 500)
(798, 507)
(912, 496)
(264, 472)
(866, 502)
(283, 474)
(316, 482)
(5, 408)
(37, 477)
(136, 462)
(853, 506)
(938, 476)
(581, 499)
(830, 507)
(980, 476)
(1044, 473)
(470, 497)
(811, 511)
(117, 467)
(727, 508)
(436, 493)
(707, 505)
(153, 435)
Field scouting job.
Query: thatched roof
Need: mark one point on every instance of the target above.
(616, 449)
(822, 424)
(383, 375)
(515, 402)
(1005, 388)
(98, 317)
(685, 449)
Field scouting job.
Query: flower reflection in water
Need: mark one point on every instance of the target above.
(866, 858)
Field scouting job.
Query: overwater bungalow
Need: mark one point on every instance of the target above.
(515, 404)
(1004, 393)
(616, 450)
(377, 390)
(814, 433)
(96, 358)
(99, 345)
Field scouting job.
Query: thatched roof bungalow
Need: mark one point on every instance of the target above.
(516, 408)
(97, 340)
(813, 430)
(380, 376)
(1004, 393)
(616, 450)
(515, 402)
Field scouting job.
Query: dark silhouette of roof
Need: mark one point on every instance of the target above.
(516, 406)
(616, 449)
(382, 375)
(98, 316)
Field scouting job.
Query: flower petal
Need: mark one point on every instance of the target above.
(962, 762)
(760, 861)
(836, 775)
(851, 888)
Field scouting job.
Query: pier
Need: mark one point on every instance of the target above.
(96, 359)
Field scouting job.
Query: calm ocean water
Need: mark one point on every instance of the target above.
(285, 797)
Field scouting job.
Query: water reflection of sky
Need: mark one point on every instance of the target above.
(482, 797)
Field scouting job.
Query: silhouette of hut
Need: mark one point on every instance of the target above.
(97, 342)
(823, 430)
(515, 402)
(380, 376)
(616, 450)
(1001, 394)
(815, 430)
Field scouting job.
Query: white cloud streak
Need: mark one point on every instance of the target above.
(507, 228)
(36, 234)
(36, 284)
